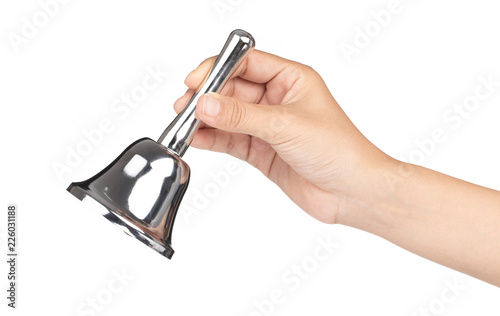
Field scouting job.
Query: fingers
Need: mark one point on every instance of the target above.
(240, 112)
(233, 115)
(195, 77)
(244, 90)
(224, 142)
(236, 87)
(260, 72)
(262, 67)
(255, 151)
(258, 67)
(181, 102)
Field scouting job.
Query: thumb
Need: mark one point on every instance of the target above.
(233, 115)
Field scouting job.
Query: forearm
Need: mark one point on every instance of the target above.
(441, 218)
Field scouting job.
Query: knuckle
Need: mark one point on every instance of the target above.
(307, 68)
(281, 121)
(284, 118)
(237, 115)
(301, 74)
(309, 72)
(303, 69)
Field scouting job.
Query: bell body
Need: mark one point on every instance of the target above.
(140, 191)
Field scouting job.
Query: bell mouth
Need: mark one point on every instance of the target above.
(126, 225)
(140, 192)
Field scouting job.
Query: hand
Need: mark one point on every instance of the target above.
(279, 116)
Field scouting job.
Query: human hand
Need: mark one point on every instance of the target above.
(279, 116)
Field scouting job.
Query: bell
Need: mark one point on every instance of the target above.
(141, 190)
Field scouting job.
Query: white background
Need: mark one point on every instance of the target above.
(232, 255)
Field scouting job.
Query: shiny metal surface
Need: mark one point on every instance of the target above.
(180, 133)
(140, 191)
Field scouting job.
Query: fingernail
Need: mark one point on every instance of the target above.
(211, 106)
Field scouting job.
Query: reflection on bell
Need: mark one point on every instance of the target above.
(140, 191)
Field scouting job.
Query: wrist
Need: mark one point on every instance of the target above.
(373, 206)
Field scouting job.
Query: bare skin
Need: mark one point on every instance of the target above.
(280, 117)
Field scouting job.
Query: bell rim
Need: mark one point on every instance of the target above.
(127, 226)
